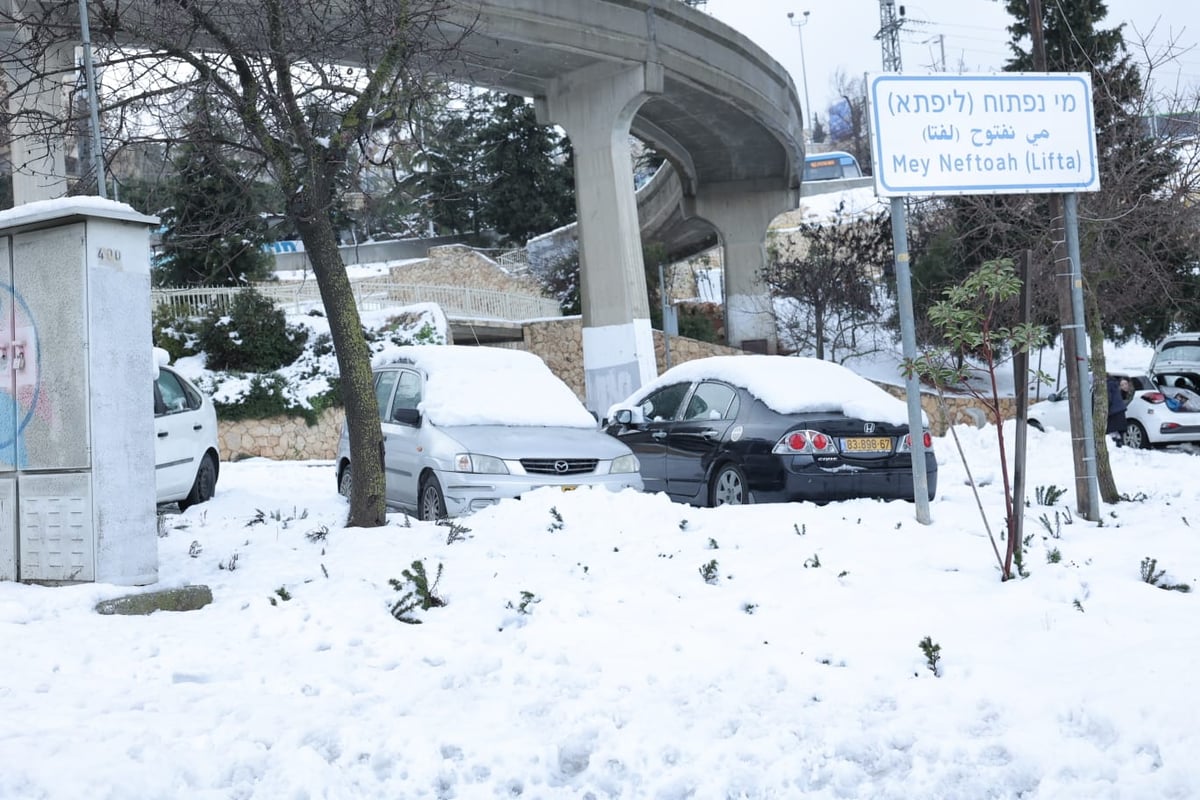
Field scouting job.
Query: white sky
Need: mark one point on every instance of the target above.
(842, 36)
(631, 676)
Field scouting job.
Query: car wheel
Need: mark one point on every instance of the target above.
(346, 482)
(1135, 436)
(205, 485)
(431, 505)
(728, 487)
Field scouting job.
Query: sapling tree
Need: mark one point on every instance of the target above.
(970, 320)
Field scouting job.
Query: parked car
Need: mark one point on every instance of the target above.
(1156, 415)
(186, 452)
(757, 428)
(465, 427)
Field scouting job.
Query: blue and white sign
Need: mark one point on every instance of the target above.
(983, 134)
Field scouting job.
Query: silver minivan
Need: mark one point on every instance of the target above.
(465, 427)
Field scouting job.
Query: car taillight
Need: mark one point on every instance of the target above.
(805, 441)
(906, 443)
(1154, 397)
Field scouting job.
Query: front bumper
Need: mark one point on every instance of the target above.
(465, 492)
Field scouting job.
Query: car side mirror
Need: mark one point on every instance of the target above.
(407, 416)
(629, 416)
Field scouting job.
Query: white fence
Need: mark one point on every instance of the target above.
(460, 302)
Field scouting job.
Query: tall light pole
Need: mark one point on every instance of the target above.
(799, 25)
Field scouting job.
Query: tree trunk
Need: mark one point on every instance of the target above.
(367, 499)
(1104, 474)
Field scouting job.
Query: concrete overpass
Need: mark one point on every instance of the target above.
(724, 114)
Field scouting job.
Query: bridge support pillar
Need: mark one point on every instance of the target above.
(595, 107)
(741, 213)
(39, 138)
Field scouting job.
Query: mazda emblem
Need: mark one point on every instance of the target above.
(561, 466)
(868, 427)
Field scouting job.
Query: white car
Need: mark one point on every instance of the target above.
(1156, 416)
(186, 453)
(465, 427)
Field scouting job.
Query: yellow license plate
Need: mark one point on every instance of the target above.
(869, 444)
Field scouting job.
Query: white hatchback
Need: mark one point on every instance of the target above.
(1156, 416)
(186, 453)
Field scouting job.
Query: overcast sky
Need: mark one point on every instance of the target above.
(842, 36)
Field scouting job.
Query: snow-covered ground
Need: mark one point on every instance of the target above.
(582, 653)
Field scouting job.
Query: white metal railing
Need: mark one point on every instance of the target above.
(370, 294)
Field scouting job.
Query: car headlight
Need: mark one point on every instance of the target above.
(471, 462)
(625, 463)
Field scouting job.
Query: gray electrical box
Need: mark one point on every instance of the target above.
(77, 497)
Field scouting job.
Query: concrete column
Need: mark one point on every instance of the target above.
(741, 213)
(595, 107)
(39, 124)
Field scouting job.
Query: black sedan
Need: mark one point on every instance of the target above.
(762, 429)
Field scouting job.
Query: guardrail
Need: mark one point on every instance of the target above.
(298, 297)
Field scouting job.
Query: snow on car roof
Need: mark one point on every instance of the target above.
(489, 386)
(789, 385)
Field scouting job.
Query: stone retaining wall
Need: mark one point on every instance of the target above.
(459, 265)
(281, 438)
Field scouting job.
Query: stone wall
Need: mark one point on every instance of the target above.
(560, 344)
(281, 438)
(960, 409)
(459, 265)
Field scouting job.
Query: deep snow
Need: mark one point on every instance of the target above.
(795, 672)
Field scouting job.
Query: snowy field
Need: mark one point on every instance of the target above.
(597, 645)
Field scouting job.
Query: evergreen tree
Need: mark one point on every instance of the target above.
(489, 164)
(532, 189)
(213, 234)
(450, 177)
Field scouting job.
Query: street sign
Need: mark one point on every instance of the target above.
(983, 134)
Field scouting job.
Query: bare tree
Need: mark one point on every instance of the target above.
(314, 87)
(824, 279)
(848, 129)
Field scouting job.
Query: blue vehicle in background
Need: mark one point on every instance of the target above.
(831, 166)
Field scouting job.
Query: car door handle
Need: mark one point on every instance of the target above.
(710, 435)
(659, 435)
(197, 427)
(162, 434)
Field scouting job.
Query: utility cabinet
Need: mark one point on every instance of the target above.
(77, 496)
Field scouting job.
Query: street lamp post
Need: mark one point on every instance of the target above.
(799, 25)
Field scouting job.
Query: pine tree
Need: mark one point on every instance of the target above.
(531, 190)
(213, 235)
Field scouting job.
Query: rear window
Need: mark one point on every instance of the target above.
(1180, 351)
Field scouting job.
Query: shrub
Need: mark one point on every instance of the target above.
(175, 333)
(253, 337)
